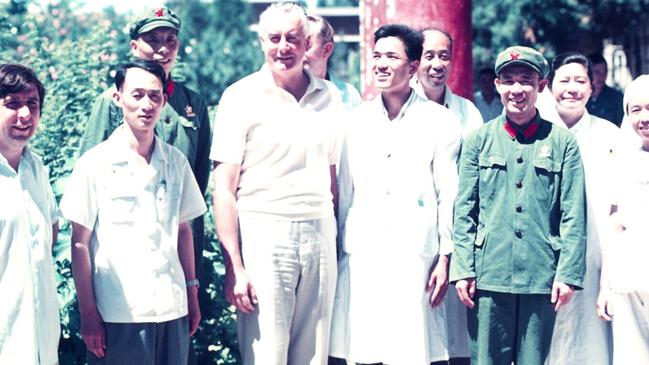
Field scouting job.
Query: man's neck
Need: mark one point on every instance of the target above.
(294, 83)
(436, 94)
(394, 101)
(12, 154)
(488, 96)
(521, 121)
(140, 142)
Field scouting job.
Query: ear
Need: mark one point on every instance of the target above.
(414, 66)
(117, 98)
(328, 49)
(133, 46)
(307, 42)
(497, 84)
(542, 84)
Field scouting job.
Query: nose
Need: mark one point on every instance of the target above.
(517, 87)
(147, 103)
(436, 62)
(24, 113)
(283, 44)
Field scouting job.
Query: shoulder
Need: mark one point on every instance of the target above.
(174, 156)
(194, 97)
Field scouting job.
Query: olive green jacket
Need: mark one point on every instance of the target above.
(520, 212)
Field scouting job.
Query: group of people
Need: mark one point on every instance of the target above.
(341, 222)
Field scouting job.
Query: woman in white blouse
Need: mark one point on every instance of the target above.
(624, 294)
(579, 336)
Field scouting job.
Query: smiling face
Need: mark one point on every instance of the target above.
(435, 64)
(571, 87)
(160, 45)
(283, 41)
(391, 67)
(518, 87)
(638, 112)
(141, 99)
(19, 117)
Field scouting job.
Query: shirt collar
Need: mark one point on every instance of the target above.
(171, 86)
(268, 83)
(526, 132)
(120, 152)
(379, 101)
(582, 124)
(25, 161)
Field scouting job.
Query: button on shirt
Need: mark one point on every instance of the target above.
(134, 212)
(511, 251)
(284, 146)
(29, 306)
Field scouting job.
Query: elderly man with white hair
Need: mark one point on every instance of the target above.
(275, 152)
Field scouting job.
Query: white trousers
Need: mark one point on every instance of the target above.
(292, 266)
(630, 328)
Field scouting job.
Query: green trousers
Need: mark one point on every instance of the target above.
(506, 328)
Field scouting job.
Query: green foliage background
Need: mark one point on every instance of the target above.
(74, 53)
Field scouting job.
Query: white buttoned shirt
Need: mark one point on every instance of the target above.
(284, 146)
(134, 212)
(29, 306)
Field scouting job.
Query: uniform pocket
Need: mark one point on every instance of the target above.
(491, 166)
(547, 171)
(120, 208)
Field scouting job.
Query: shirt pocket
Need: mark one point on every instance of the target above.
(492, 169)
(119, 207)
(547, 173)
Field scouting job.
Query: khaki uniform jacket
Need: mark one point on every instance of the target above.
(520, 212)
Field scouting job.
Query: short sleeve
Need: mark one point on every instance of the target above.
(79, 202)
(192, 203)
(229, 134)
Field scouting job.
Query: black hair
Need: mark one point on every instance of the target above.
(487, 71)
(15, 78)
(412, 39)
(150, 66)
(567, 58)
(597, 58)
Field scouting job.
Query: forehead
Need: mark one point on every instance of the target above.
(390, 44)
(283, 22)
(137, 78)
(572, 68)
(514, 71)
(436, 41)
(31, 92)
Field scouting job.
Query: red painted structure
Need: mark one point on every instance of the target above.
(453, 16)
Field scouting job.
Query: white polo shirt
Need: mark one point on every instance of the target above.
(134, 212)
(29, 305)
(284, 146)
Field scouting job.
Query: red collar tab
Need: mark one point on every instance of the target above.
(160, 12)
(528, 131)
(170, 87)
(514, 55)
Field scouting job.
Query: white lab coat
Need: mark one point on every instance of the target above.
(580, 337)
(398, 182)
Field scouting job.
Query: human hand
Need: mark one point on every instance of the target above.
(466, 291)
(604, 305)
(438, 281)
(561, 294)
(239, 290)
(193, 308)
(93, 333)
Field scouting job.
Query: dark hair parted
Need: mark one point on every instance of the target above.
(444, 33)
(15, 78)
(149, 66)
(568, 58)
(412, 39)
(596, 58)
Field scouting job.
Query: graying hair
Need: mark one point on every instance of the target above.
(278, 8)
(325, 30)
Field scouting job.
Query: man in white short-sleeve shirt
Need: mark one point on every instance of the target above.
(29, 308)
(275, 152)
(130, 200)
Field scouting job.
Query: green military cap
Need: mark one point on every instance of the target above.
(525, 56)
(151, 19)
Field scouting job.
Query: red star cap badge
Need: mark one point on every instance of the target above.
(514, 55)
(160, 12)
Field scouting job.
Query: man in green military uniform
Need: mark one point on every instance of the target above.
(184, 121)
(519, 226)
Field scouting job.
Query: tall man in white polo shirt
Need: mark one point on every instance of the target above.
(275, 153)
(432, 76)
(29, 308)
(131, 200)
